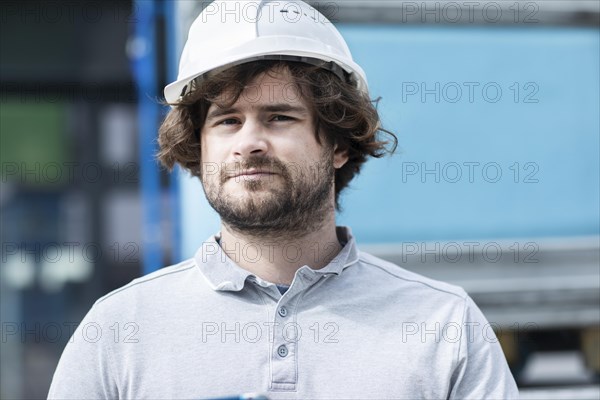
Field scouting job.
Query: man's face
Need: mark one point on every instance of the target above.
(263, 170)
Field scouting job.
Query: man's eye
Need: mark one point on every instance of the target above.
(281, 118)
(228, 121)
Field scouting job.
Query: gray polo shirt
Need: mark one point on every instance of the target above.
(359, 328)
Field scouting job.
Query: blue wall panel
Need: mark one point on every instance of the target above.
(551, 129)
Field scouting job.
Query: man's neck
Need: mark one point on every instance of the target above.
(277, 260)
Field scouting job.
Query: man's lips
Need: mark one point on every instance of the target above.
(253, 173)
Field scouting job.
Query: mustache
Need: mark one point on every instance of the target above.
(270, 164)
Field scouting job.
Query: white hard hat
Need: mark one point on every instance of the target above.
(229, 33)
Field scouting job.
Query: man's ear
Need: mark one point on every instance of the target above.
(340, 156)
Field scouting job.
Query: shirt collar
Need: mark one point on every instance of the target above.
(222, 273)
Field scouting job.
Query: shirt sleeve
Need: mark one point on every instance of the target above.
(481, 371)
(84, 370)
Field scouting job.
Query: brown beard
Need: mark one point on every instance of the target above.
(292, 210)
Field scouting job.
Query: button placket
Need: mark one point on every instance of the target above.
(283, 356)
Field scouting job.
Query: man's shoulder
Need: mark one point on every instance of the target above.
(165, 280)
(411, 279)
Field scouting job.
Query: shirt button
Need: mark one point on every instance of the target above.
(283, 311)
(282, 350)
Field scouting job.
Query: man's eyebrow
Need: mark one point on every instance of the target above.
(281, 107)
(218, 111)
(284, 107)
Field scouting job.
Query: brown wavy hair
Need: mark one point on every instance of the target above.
(342, 114)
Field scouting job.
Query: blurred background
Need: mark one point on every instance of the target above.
(495, 186)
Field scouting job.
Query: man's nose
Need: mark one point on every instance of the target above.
(251, 140)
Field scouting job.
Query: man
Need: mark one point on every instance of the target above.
(273, 115)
